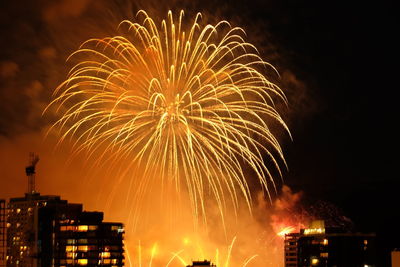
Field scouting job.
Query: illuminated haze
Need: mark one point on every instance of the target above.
(27, 82)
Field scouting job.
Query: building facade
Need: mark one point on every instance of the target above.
(328, 247)
(395, 258)
(48, 231)
(3, 233)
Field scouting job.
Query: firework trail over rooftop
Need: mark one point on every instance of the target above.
(189, 105)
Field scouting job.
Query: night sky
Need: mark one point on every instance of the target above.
(337, 61)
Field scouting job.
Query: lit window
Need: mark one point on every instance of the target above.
(365, 242)
(71, 241)
(71, 254)
(92, 227)
(325, 242)
(18, 210)
(106, 261)
(105, 254)
(63, 228)
(114, 261)
(70, 248)
(83, 228)
(82, 261)
(83, 248)
(314, 261)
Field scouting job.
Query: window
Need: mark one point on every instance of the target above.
(105, 254)
(71, 255)
(83, 228)
(70, 248)
(93, 227)
(82, 261)
(83, 248)
(314, 261)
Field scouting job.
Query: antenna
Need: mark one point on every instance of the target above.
(30, 172)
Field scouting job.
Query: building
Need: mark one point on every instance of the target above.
(44, 231)
(201, 264)
(395, 256)
(49, 231)
(3, 234)
(320, 246)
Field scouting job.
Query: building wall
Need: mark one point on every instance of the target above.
(291, 253)
(396, 258)
(329, 247)
(45, 231)
(3, 233)
(21, 234)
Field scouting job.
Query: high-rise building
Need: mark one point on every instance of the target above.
(3, 248)
(44, 231)
(320, 246)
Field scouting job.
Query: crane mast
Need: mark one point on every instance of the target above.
(30, 172)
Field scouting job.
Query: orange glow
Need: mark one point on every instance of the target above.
(286, 230)
(127, 195)
(190, 105)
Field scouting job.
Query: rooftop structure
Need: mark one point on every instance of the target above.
(201, 263)
(320, 246)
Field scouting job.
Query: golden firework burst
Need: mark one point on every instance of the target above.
(190, 105)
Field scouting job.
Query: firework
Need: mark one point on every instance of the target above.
(190, 105)
(177, 258)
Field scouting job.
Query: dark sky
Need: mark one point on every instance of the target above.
(338, 59)
(345, 151)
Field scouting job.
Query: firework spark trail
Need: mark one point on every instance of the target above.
(177, 258)
(190, 105)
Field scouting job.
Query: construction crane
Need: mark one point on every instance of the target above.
(30, 172)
